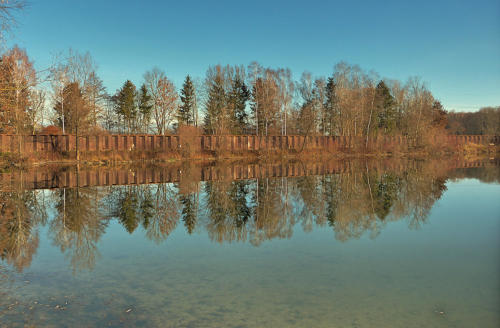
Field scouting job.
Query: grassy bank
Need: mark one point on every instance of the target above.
(469, 151)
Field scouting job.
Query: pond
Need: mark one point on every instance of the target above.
(362, 244)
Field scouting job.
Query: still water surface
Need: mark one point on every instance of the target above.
(365, 248)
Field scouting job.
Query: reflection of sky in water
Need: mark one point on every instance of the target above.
(443, 274)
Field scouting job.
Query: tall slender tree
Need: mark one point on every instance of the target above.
(188, 211)
(330, 108)
(237, 100)
(384, 107)
(126, 104)
(214, 119)
(95, 92)
(145, 107)
(187, 109)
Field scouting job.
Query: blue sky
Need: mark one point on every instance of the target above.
(452, 45)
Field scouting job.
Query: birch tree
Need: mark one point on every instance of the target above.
(164, 97)
(17, 79)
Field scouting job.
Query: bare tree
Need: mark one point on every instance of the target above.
(95, 93)
(18, 78)
(8, 9)
(36, 109)
(164, 97)
(59, 79)
(266, 102)
(308, 109)
(286, 87)
(254, 72)
(75, 67)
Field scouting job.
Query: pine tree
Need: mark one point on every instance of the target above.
(145, 107)
(439, 114)
(237, 101)
(126, 105)
(258, 107)
(127, 211)
(147, 208)
(186, 113)
(214, 113)
(385, 195)
(385, 108)
(330, 108)
(331, 190)
(241, 212)
(188, 212)
(216, 195)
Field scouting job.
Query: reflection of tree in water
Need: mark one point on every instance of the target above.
(78, 225)
(270, 211)
(189, 211)
(227, 210)
(166, 214)
(418, 195)
(361, 200)
(385, 194)
(21, 212)
(155, 207)
(128, 209)
(369, 201)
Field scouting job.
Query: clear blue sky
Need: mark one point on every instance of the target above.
(452, 45)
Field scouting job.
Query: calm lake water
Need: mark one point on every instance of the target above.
(407, 245)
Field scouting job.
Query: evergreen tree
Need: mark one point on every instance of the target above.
(258, 106)
(237, 101)
(331, 190)
(330, 108)
(241, 212)
(187, 109)
(216, 194)
(385, 195)
(127, 211)
(145, 107)
(307, 117)
(75, 110)
(214, 113)
(188, 212)
(385, 108)
(126, 104)
(147, 208)
(440, 115)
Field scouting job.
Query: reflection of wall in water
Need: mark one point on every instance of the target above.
(364, 197)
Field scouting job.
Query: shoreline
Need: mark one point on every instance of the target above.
(7, 161)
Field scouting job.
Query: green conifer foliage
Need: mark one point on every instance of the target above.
(331, 108)
(214, 112)
(186, 113)
(385, 108)
(145, 108)
(127, 212)
(237, 100)
(126, 105)
(188, 212)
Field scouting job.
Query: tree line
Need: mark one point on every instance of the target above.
(228, 100)
(486, 121)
